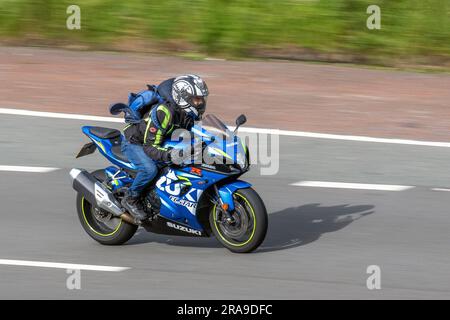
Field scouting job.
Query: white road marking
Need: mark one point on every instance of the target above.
(441, 189)
(290, 133)
(21, 112)
(27, 169)
(71, 266)
(343, 185)
(347, 137)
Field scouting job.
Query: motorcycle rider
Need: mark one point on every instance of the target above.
(184, 101)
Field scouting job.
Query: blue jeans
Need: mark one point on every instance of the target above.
(146, 167)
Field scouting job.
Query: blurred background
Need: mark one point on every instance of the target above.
(413, 32)
(310, 65)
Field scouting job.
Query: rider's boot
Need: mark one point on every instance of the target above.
(134, 206)
(154, 200)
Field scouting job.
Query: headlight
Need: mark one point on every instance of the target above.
(241, 160)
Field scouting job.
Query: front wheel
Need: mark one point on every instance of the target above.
(245, 229)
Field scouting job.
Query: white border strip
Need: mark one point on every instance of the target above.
(441, 189)
(21, 112)
(71, 266)
(346, 137)
(342, 185)
(27, 169)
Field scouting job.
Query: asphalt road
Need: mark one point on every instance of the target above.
(319, 244)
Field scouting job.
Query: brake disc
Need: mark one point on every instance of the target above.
(237, 228)
(102, 215)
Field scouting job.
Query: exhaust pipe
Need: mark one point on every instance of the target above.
(94, 192)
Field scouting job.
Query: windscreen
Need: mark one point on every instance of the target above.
(215, 126)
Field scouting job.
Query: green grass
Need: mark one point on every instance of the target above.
(410, 28)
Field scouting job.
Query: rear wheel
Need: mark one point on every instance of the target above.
(246, 227)
(100, 225)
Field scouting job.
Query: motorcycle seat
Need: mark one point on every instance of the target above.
(104, 133)
(117, 152)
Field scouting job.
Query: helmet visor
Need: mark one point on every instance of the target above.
(197, 101)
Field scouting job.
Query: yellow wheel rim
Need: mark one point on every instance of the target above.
(254, 224)
(93, 230)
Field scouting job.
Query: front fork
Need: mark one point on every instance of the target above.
(223, 207)
(224, 194)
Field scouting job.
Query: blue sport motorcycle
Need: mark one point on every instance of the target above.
(198, 200)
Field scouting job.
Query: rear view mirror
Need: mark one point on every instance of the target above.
(240, 121)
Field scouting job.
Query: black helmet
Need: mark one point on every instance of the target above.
(190, 93)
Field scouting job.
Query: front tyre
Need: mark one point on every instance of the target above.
(246, 229)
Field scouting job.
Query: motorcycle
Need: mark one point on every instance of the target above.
(190, 199)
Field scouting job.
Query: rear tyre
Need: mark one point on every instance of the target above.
(248, 227)
(101, 225)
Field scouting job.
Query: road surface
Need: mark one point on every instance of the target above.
(319, 244)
